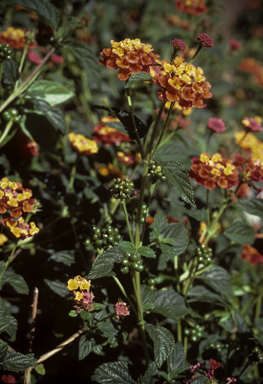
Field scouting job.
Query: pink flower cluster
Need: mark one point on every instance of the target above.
(251, 124)
(179, 44)
(121, 310)
(205, 40)
(216, 125)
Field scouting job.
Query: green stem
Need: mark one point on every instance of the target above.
(6, 131)
(191, 277)
(213, 227)
(141, 199)
(155, 127)
(27, 82)
(72, 178)
(207, 208)
(127, 219)
(1, 70)
(163, 129)
(179, 330)
(243, 370)
(258, 305)
(133, 122)
(124, 293)
(8, 261)
(196, 52)
(22, 59)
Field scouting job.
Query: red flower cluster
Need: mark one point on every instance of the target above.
(216, 125)
(251, 124)
(107, 135)
(179, 44)
(214, 170)
(182, 82)
(250, 170)
(205, 40)
(131, 56)
(194, 7)
(234, 45)
(14, 200)
(251, 255)
(252, 66)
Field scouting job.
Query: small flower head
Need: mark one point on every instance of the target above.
(121, 310)
(179, 45)
(231, 380)
(214, 364)
(205, 40)
(8, 379)
(251, 255)
(234, 45)
(195, 367)
(82, 144)
(82, 295)
(216, 125)
(251, 124)
(3, 239)
(104, 134)
(193, 7)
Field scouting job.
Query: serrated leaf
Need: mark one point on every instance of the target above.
(53, 114)
(85, 347)
(169, 304)
(252, 206)
(15, 361)
(126, 120)
(8, 323)
(178, 176)
(44, 8)
(85, 315)
(65, 257)
(50, 91)
(127, 246)
(160, 222)
(179, 234)
(98, 306)
(240, 322)
(17, 282)
(58, 287)
(147, 378)
(3, 350)
(218, 279)
(2, 266)
(104, 263)
(146, 296)
(197, 214)
(240, 233)
(10, 72)
(107, 329)
(140, 76)
(147, 252)
(200, 293)
(176, 361)
(113, 373)
(163, 342)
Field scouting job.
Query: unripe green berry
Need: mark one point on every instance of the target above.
(125, 270)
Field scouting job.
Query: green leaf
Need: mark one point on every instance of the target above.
(85, 347)
(10, 72)
(126, 120)
(127, 246)
(44, 9)
(73, 313)
(176, 361)
(87, 59)
(147, 378)
(169, 304)
(140, 76)
(49, 91)
(147, 296)
(17, 282)
(240, 322)
(8, 323)
(53, 114)
(259, 324)
(58, 287)
(240, 233)
(200, 293)
(163, 341)
(253, 206)
(113, 373)
(104, 263)
(65, 257)
(3, 351)
(160, 222)
(178, 176)
(15, 361)
(147, 252)
(179, 234)
(107, 329)
(98, 306)
(197, 214)
(2, 266)
(218, 279)
(40, 369)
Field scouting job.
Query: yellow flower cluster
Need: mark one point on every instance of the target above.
(82, 144)
(216, 160)
(119, 48)
(248, 143)
(14, 37)
(78, 283)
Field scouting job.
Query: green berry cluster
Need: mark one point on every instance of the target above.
(5, 52)
(204, 254)
(12, 114)
(121, 188)
(156, 171)
(216, 346)
(132, 260)
(143, 215)
(104, 238)
(256, 356)
(195, 333)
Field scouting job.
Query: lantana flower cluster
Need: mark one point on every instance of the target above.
(121, 310)
(251, 124)
(130, 56)
(250, 143)
(251, 255)
(211, 171)
(81, 291)
(82, 144)
(107, 135)
(16, 38)
(252, 66)
(250, 170)
(183, 83)
(193, 7)
(14, 201)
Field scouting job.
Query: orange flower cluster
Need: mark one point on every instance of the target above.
(194, 7)
(251, 170)
(16, 38)
(14, 200)
(252, 66)
(214, 170)
(183, 83)
(82, 144)
(251, 255)
(107, 135)
(131, 56)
